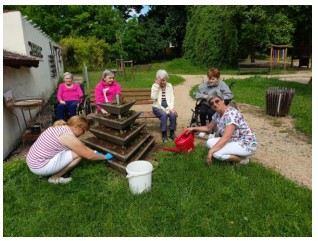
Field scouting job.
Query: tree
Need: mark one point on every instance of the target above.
(91, 51)
(211, 36)
(60, 21)
(221, 35)
(164, 25)
(127, 10)
(262, 26)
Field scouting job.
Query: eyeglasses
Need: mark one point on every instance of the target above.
(214, 102)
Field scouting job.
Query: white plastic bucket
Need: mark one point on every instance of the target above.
(139, 174)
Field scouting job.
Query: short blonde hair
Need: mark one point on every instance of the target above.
(76, 120)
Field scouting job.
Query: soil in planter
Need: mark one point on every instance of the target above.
(122, 150)
(124, 116)
(122, 101)
(114, 132)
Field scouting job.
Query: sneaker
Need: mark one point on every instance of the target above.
(212, 135)
(245, 161)
(61, 180)
(201, 134)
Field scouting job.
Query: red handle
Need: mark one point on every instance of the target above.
(172, 149)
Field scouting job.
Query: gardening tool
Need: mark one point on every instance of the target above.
(184, 143)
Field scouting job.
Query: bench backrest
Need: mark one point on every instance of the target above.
(141, 95)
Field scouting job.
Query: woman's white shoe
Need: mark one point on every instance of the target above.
(61, 180)
(245, 161)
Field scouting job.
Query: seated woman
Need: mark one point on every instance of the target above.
(237, 141)
(69, 95)
(163, 104)
(204, 92)
(106, 89)
(58, 150)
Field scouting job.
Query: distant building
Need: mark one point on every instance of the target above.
(32, 67)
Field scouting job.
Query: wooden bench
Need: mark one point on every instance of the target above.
(141, 95)
(253, 67)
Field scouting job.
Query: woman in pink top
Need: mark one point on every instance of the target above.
(69, 95)
(106, 89)
(58, 150)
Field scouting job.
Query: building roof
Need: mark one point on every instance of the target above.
(17, 60)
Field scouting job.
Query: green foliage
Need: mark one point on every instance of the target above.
(133, 41)
(209, 35)
(221, 35)
(261, 27)
(187, 199)
(62, 21)
(209, 29)
(91, 51)
(163, 25)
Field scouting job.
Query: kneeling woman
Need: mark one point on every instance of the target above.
(58, 150)
(236, 142)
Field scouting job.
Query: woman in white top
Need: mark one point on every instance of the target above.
(163, 104)
(236, 142)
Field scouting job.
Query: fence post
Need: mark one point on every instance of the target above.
(86, 76)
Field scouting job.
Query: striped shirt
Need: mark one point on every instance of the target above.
(163, 95)
(47, 146)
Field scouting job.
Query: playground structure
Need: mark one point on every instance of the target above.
(278, 56)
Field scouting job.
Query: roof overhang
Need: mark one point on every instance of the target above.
(17, 60)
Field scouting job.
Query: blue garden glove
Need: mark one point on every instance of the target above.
(108, 156)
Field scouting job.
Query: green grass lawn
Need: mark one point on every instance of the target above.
(187, 199)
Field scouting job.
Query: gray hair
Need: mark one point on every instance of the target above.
(216, 93)
(67, 74)
(106, 73)
(162, 74)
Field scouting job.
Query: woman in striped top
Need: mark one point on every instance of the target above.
(163, 104)
(58, 150)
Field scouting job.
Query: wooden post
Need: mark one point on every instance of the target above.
(122, 63)
(271, 59)
(285, 59)
(132, 69)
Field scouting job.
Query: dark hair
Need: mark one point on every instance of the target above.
(213, 72)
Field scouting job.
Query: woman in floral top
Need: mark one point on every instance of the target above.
(236, 142)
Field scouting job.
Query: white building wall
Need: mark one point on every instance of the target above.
(26, 82)
(13, 39)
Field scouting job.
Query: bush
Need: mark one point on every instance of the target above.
(91, 51)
